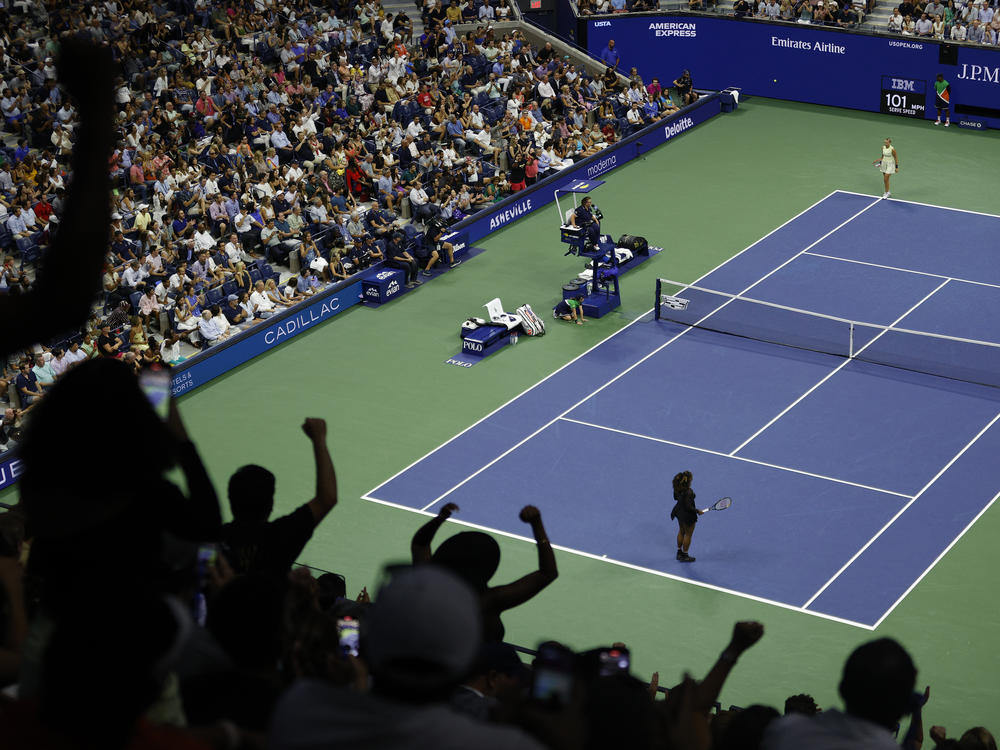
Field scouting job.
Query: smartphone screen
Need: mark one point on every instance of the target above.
(155, 383)
(612, 661)
(347, 634)
(553, 675)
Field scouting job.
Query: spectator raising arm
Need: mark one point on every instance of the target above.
(513, 594)
(420, 547)
(326, 477)
(745, 635)
(71, 273)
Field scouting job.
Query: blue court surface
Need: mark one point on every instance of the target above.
(850, 479)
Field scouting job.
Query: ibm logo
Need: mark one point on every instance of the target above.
(903, 84)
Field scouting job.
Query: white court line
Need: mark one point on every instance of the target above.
(905, 270)
(631, 367)
(901, 511)
(595, 346)
(937, 559)
(639, 568)
(836, 369)
(736, 458)
(918, 203)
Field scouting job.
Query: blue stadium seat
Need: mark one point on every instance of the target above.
(214, 296)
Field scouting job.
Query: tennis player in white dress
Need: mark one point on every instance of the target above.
(889, 165)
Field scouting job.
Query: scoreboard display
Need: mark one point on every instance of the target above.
(906, 97)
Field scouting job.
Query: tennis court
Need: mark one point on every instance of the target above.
(851, 478)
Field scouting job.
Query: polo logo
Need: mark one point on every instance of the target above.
(472, 346)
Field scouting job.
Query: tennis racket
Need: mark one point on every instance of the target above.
(877, 164)
(719, 505)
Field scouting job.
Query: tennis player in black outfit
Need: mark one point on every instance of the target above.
(686, 514)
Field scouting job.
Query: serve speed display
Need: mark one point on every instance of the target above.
(903, 96)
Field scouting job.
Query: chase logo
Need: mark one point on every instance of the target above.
(975, 124)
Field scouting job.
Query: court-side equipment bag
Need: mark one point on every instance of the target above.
(470, 325)
(530, 323)
(495, 309)
(637, 245)
(623, 254)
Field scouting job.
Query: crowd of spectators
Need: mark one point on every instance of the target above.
(976, 21)
(132, 617)
(267, 151)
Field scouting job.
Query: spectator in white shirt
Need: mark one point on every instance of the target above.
(74, 354)
(203, 239)
(545, 89)
(209, 329)
(422, 207)
(170, 348)
(486, 11)
(262, 305)
(134, 277)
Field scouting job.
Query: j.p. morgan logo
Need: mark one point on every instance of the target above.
(979, 73)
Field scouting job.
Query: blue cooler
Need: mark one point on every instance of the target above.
(485, 340)
(383, 286)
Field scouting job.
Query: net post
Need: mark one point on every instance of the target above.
(656, 302)
(850, 344)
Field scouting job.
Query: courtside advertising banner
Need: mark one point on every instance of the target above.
(800, 62)
(262, 337)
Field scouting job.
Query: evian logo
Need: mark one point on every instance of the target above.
(979, 73)
(598, 24)
(392, 288)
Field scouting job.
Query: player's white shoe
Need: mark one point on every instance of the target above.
(937, 122)
(947, 123)
(886, 194)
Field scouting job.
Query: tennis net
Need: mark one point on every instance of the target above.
(950, 357)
